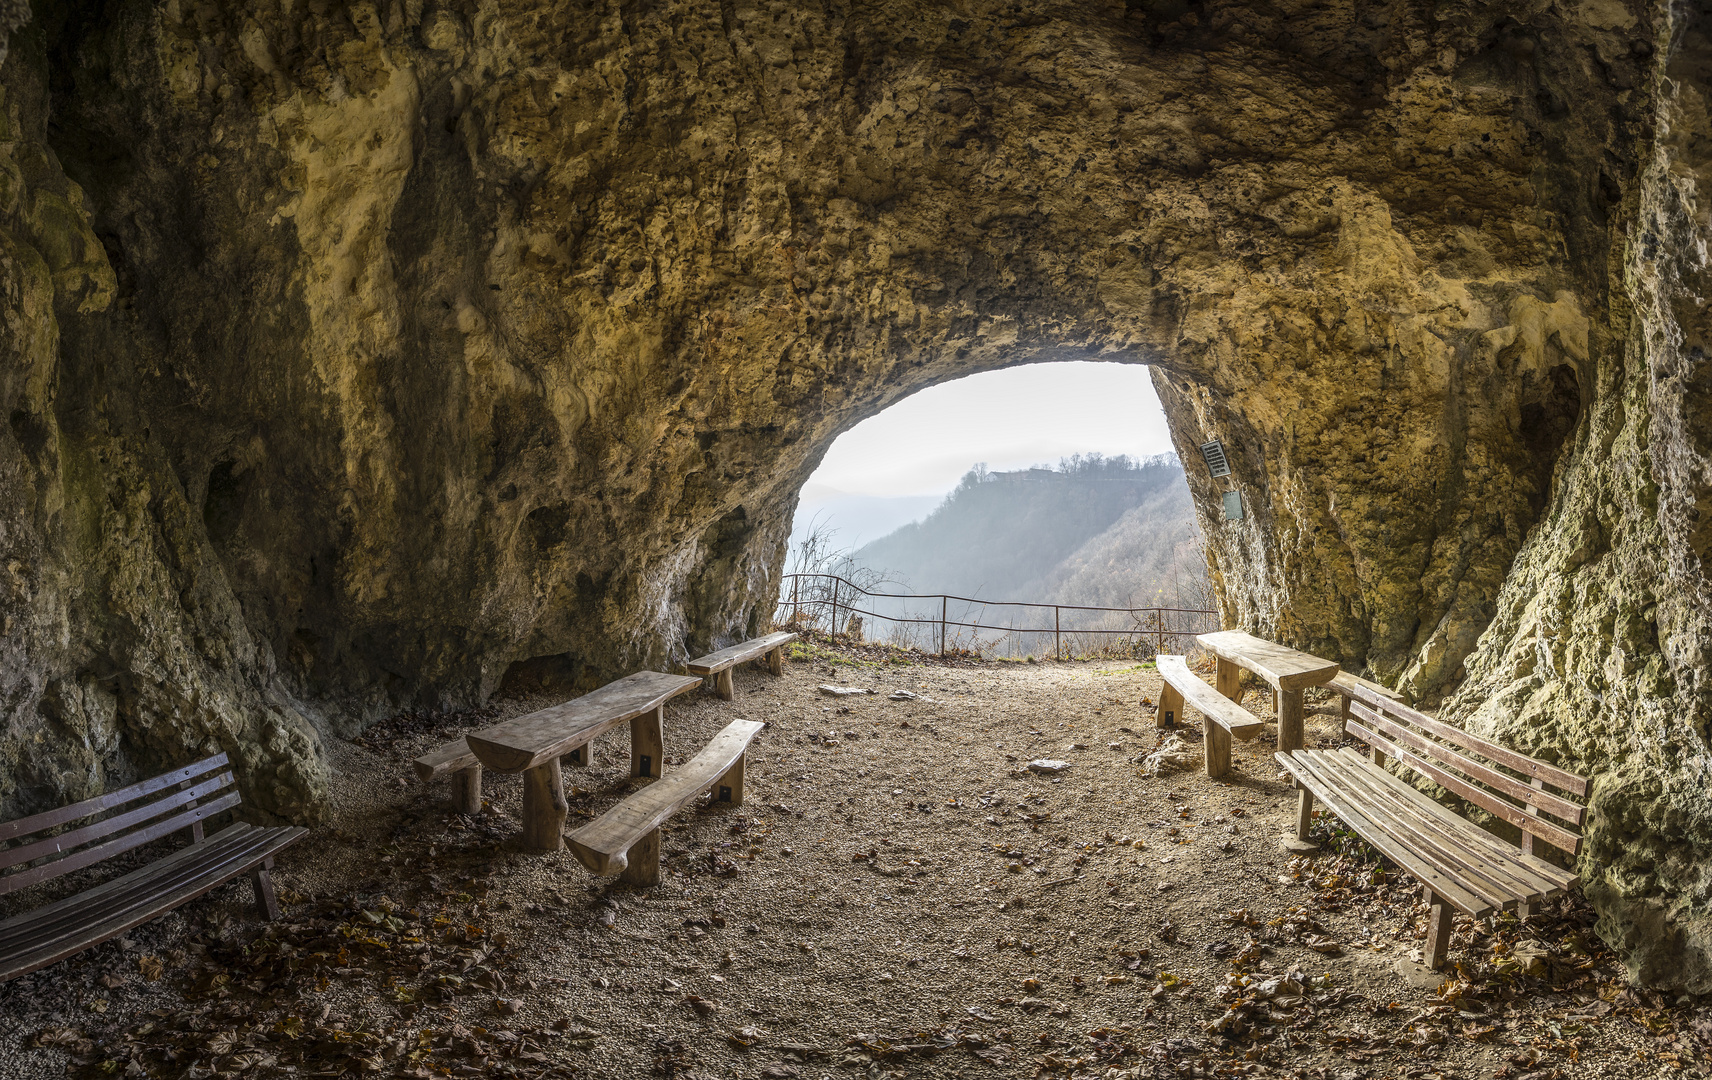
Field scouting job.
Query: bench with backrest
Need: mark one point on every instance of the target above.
(533, 744)
(626, 839)
(1460, 865)
(45, 846)
(1221, 717)
(719, 664)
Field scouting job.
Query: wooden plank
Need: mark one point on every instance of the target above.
(601, 844)
(1473, 834)
(1559, 808)
(1209, 702)
(1510, 759)
(1493, 879)
(71, 838)
(1297, 765)
(736, 654)
(1350, 685)
(530, 740)
(1500, 860)
(77, 860)
(115, 893)
(68, 918)
(259, 846)
(1283, 668)
(453, 756)
(1551, 834)
(48, 819)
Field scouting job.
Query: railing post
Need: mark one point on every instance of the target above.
(1057, 622)
(943, 601)
(834, 631)
(796, 604)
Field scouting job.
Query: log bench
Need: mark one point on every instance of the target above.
(181, 799)
(1221, 718)
(626, 839)
(533, 745)
(1286, 670)
(457, 760)
(719, 664)
(1459, 864)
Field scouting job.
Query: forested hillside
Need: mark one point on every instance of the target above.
(1095, 530)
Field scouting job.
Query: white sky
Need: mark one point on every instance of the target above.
(1010, 419)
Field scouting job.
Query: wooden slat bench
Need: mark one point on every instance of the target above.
(533, 744)
(1286, 670)
(626, 839)
(719, 664)
(1221, 718)
(181, 799)
(1459, 864)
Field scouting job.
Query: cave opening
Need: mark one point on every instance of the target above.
(1051, 483)
(1550, 409)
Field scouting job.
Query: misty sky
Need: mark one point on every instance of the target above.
(1010, 419)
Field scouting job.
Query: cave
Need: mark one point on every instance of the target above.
(365, 358)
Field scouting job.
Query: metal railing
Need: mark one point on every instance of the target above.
(828, 596)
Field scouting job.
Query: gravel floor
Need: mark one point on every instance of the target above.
(899, 897)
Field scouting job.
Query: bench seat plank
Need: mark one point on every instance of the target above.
(1495, 880)
(1209, 702)
(601, 845)
(737, 654)
(532, 740)
(35, 939)
(452, 757)
(1354, 815)
(1555, 877)
(1283, 668)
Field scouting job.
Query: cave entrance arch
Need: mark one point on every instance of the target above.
(1053, 481)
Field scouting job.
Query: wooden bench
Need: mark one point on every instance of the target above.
(460, 762)
(719, 664)
(1459, 864)
(626, 839)
(1221, 717)
(1287, 671)
(533, 744)
(181, 799)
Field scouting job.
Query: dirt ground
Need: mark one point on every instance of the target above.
(900, 897)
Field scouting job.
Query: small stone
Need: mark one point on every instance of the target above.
(1047, 766)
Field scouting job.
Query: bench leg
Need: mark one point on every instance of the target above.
(776, 661)
(581, 756)
(723, 686)
(544, 808)
(647, 742)
(1229, 680)
(728, 789)
(466, 790)
(1170, 707)
(1216, 741)
(267, 902)
(1297, 843)
(1438, 931)
(1289, 720)
(644, 861)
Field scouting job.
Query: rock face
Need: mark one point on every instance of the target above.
(367, 356)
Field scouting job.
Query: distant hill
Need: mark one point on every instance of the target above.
(1096, 530)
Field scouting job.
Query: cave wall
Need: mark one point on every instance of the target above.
(361, 354)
